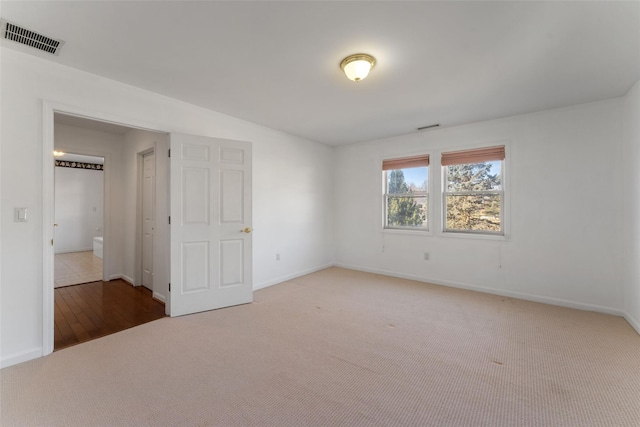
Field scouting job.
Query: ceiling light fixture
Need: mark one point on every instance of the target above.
(357, 67)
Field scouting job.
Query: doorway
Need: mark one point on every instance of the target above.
(207, 184)
(116, 297)
(79, 218)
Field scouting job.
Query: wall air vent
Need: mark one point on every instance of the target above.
(29, 38)
(429, 127)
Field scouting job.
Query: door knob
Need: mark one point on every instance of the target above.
(246, 230)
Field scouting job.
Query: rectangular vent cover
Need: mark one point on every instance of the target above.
(30, 38)
(429, 127)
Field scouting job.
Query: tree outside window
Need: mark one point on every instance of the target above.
(405, 193)
(473, 191)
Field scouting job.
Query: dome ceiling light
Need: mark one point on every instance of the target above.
(357, 67)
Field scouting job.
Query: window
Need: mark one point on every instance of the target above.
(406, 197)
(473, 196)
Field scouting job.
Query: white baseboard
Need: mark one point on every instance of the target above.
(159, 297)
(289, 277)
(123, 277)
(24, 356)
(520, 295)
(70, 251)
(633, 322)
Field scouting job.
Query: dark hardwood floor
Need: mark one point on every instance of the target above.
(92, 310)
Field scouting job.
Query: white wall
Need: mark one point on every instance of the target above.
(292, 184)
(564, 197)
(631, 207)
(78, 208)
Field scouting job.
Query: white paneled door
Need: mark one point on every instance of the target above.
(148, 217)
(211, 264)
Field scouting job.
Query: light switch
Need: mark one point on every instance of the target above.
(20, 214)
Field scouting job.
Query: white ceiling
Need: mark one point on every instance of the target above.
(277, 63)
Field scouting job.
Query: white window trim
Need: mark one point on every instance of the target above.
(428, 231)
(506, 200)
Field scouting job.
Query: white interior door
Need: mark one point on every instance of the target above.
(148, 217)
(211, 254)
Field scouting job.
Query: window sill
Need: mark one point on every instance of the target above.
(477, 236)
(407, 232)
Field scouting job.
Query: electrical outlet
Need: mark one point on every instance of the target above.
(277, 257)
(426, 256)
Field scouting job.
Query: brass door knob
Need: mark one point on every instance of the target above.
(247, 230)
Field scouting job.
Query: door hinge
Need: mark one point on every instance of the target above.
(51, 242)
(169, 153)
(169, 287)
(169, 219)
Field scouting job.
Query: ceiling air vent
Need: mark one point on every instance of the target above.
(30, 38)
(429, 127)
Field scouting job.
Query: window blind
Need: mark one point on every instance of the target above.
(478, 155)
(406, 162)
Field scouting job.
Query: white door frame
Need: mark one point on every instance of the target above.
(106, 199)
(48, 215)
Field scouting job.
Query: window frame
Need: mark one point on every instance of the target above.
(414, 194)
(502, 233)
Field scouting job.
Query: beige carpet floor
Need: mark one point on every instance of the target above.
(343, 348)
